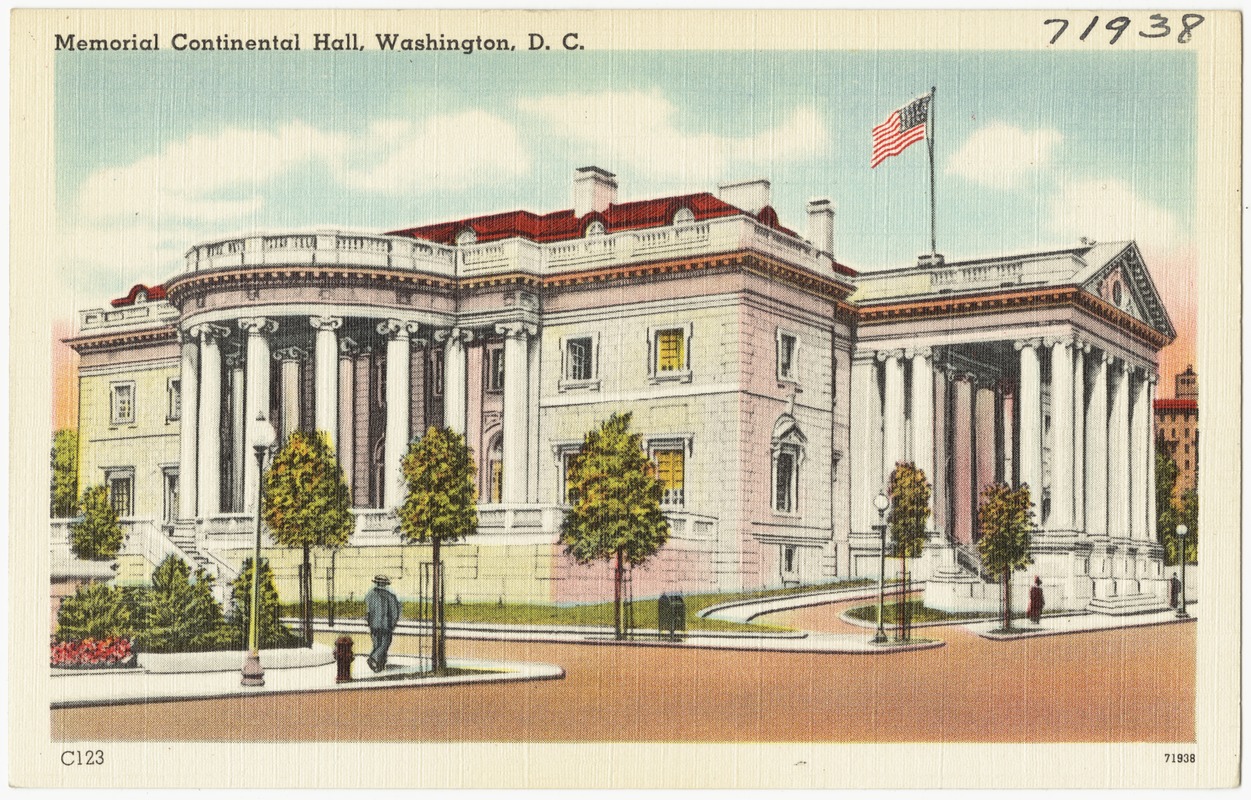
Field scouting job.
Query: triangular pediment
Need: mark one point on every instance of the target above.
(1120, 278)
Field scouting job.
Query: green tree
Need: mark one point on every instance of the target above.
(64, 473)
(1166, 510)
(909, 511)
(97, 535)
(271, 631)
(1188, 515)
(96, 611)
(1007, 520)
(441, 506)
(307, 504)
(615, 499)
(179, 614)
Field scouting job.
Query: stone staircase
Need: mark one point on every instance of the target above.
(1127, 604)
(184, 540)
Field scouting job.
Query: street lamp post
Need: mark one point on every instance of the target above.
(881, 503)
(262, 437)
(1181, 556)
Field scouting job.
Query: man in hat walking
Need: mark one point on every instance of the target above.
(382, 612)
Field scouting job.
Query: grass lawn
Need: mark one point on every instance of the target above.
(585, 614)
(916, 608)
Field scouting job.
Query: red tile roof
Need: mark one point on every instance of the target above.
(151, 292)
(1170, 404)
(561, 225)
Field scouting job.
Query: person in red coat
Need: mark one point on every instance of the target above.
(1035, 601)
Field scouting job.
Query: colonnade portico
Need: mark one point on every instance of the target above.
(371, 385)
(1067, 416)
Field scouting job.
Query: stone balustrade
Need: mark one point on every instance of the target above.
(510, 255)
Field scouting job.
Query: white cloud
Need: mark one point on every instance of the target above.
(1001, 156)
(1109, 210)
(133, 222)
(453, 151)
(639, 131)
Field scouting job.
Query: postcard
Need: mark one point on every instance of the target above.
(625, 399)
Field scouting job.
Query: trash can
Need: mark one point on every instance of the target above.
(671, 615)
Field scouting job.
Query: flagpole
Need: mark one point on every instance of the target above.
(930, 141)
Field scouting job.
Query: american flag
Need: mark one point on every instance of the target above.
(903, 127)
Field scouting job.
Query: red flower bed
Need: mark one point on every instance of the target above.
(110, 652)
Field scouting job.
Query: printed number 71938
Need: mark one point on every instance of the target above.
(1160, 27)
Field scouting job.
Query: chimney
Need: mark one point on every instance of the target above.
(751, 196)
(594, 189)
(821, 225)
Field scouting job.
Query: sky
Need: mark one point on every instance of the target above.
(1033, 150)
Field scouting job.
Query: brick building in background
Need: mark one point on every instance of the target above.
(1177, 427)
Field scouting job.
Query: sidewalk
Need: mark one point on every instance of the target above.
(73, 688)
(747, 610)
(1074, 623)
(758, 641)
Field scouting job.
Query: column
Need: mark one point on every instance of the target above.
(210, 444)
(1097, 447)
(1079, 435)
(289, 359)
(1062, 482)
(1118, 453)
(923, 418)
(344, 440)
(893, 412)
(984, 440)
(516, 408)
(940, 481)
(326, 375)
(455, 375)
(865, 406)
(1030, 410)
(962, 490)
(1007, 412)
(257, 398)
(188, 388)
(396, 439)
(1140, 449)
(364, 431)
(238, 428)
(1152, 522)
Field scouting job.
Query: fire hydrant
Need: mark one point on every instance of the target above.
(343, 657)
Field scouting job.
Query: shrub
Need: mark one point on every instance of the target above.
(179, 613)
(272, 632)
(96, 611)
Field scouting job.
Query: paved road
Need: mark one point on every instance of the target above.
(1124, 685)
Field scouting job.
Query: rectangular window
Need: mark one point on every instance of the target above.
(578, 359)
(670, 470)
(495, 369)
(670, 355)
(788, 559)
(436, 373)
(788, 344)
(174, 389)
(784, 482)
(120, 494)
(497, 480)
(566, 466)
(122, 403)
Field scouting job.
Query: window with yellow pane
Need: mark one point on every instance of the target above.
(670, 353)
(670, 470)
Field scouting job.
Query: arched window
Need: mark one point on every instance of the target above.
(596, 228)
(683, 215)
(467, 236)
(788, 447)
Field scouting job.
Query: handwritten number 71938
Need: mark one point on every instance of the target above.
(1161, 26)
